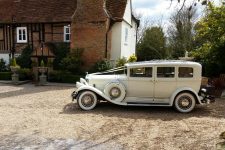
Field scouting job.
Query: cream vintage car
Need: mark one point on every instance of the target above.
(152, 83)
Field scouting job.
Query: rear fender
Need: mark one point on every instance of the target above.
(184, 89)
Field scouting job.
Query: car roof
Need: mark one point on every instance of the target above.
(163, 62)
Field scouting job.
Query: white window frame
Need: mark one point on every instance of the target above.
(67, 33)
(18, 29)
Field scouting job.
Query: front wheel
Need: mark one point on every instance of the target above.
(87, 100)
(185, 102)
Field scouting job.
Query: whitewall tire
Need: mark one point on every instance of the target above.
(87, 100)
(184, 102)
(115, 91)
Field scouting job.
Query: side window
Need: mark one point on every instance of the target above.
(165, 72)
(141, 72)
(67, 33)
(185, 72)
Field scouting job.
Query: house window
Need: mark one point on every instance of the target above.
(21, 34)
(66, 33)
(126, 35)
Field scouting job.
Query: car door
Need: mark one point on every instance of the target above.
(164, 83)
(140, 84)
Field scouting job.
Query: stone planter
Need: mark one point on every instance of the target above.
(42, 77)
(15, 75)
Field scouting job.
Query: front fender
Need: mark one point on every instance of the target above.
(184, 89)
(96, 91)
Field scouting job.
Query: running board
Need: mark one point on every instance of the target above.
(148, 104)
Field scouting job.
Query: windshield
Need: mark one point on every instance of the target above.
(117, 71)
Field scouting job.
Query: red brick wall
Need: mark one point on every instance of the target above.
(88, 31)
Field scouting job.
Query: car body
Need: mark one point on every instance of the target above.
(151, 83)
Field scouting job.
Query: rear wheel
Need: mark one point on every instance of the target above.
(87, 100)
(184, 102)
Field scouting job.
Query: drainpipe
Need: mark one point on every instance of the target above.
(108, 28)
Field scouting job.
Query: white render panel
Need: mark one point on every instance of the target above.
(116, 41)
(127, 15)
(5, 57)
(128, 47)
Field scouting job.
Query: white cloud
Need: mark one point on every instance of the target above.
(162, 9)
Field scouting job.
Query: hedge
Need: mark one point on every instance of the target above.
(5, 75)
(63, 77)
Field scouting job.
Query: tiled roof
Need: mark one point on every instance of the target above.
(116, 8)
(36, 10)
(32, 11)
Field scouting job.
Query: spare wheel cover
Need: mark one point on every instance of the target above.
(115, 91)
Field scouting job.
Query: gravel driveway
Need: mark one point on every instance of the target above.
(44, 118)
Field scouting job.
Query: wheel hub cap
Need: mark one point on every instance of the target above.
(87, 100)
(115, 92)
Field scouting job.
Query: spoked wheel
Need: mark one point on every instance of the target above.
(185, 102)
(87, 100)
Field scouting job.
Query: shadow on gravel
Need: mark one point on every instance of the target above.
(28, 89)
(216, 110)
(34, 141)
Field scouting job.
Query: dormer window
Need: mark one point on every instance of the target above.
(21, 34)
(67, 33)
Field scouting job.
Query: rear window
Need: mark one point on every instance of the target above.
(185, 72)
(141, 72)
(165, 72)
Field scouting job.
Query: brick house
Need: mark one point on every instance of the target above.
(103, 28)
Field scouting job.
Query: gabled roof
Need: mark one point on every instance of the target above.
(116, 8)
(33, 11)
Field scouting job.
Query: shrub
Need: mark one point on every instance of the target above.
(13, 62)
(24, 60)
(121, 62)
(61, 50)
(42, 63)
(25, 74)
(3, 66)
(132, 58)
(100, 66)
(5, 75)
(72, 63)
(63, 77)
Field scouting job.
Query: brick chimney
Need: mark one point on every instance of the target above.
(89, 29)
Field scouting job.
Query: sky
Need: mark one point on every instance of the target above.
(160, 10)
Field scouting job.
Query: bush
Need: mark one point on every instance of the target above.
(100, 66)
(24, 60)
(63, 77)
(60, 50)
(72, 63)
(25, 74)
(3, 66)
(5, 75)
(132, 58)
(121, 62)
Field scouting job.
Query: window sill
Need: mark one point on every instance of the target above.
(22, 42)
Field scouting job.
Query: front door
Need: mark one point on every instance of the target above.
(140, 85)
(165, 83)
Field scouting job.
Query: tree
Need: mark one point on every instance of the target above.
(180, 32)
(152, 45)
(210, 36)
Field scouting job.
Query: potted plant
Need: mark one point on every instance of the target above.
(42, 69)
(14, 68)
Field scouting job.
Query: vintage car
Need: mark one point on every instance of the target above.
(152, 83)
